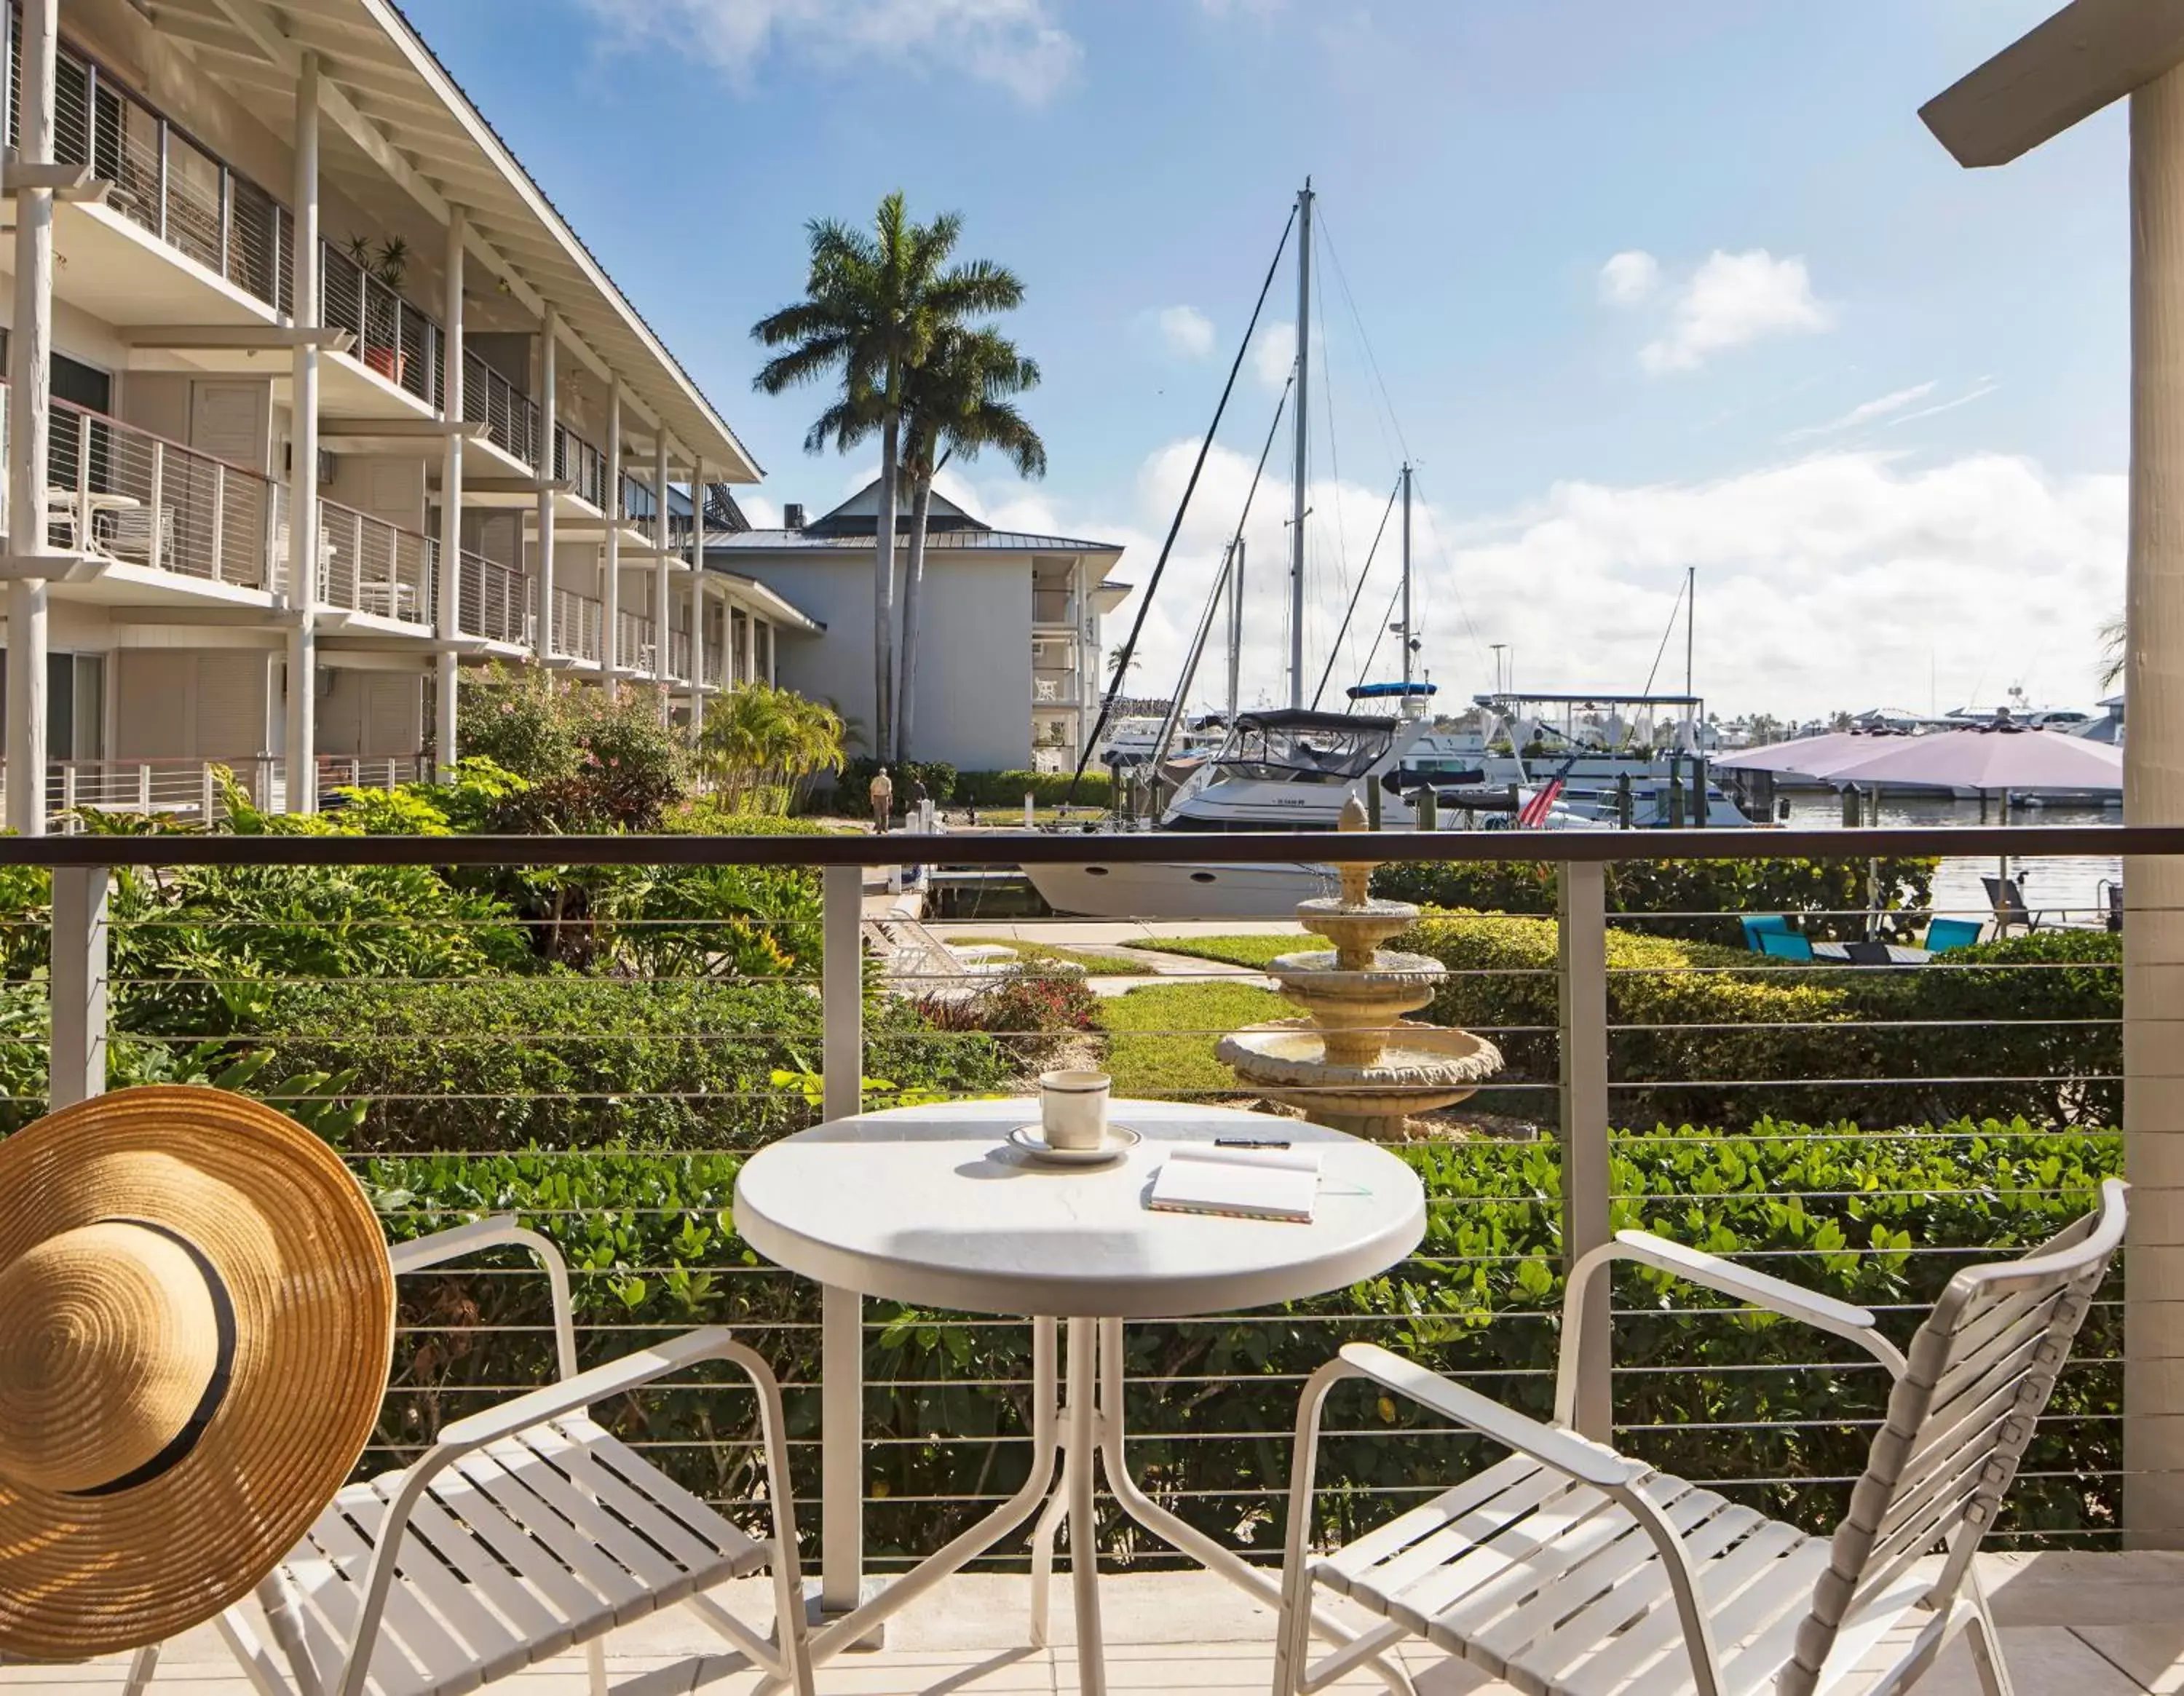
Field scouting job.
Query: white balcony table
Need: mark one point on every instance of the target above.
(929, 1205)
(80, 510)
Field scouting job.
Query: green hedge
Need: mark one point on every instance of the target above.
(1700, 899)
(655, 1248)
(1713, 1035)
(1045, 789)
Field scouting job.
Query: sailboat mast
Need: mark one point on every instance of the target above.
(1303, 440)
(1691, 619)
(1235, 626)
(1407, 580)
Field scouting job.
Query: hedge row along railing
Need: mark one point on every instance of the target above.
(1781, 1415)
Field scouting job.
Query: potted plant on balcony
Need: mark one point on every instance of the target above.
(379, 327)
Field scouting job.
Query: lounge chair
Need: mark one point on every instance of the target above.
(2008, 901)
(1786, 945)
(1943, 935)
(1759, 925)
(1571, 1569)
(522, 1530)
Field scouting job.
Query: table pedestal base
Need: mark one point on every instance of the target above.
(1079, 1423)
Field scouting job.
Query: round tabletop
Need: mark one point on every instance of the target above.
(930, 1205)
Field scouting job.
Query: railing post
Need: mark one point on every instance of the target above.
(218, 520)
(165, 133)
(76, 1062)
(842, 1342)
(156, 508)
(144, 789)
(207, 796)
(1581, 972)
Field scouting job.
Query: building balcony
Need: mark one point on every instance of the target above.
(634, 646)
(581, 466)
(496, 604)
(576, 628)
(380, 571)
(155, 518)
(510, 417)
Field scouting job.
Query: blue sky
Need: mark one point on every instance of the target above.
(1647, 285)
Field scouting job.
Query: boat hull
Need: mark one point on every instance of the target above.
(1160, 889)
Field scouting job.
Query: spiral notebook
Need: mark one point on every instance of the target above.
(1238, 1183)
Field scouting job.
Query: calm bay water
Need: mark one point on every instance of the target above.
(2049, 882)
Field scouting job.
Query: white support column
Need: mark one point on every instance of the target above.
(76, 1063)
(2153, 794)
(696, 597)
(549, 430)
(29, 377)
(451, 499)
(659, 557)
(841, 1342)
(1581, 935)
(771, 676)
(610, 556)
(303, 459)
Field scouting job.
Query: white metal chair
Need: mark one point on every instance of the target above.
(1569, 1570)
(523, 1531)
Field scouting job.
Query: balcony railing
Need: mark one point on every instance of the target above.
(581, 465)
(121, 494)
(510, 417)
(1866, 1130)
(716, 664)
(678, 655)
(576, 622)
(637, 505)
(368, 566)
(633, 643)
(395, 339)
(495, 602)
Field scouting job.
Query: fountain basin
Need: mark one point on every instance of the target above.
(1320, 975)
(1422, 1067)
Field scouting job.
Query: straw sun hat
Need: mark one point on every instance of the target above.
(196, 1314)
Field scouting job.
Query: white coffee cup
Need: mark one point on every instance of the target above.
(1073, 1107)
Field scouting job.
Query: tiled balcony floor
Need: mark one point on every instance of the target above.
(2073, 1625)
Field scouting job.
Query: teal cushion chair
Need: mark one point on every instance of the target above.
(1943, 935)
(1760, 924)
(1786, 945)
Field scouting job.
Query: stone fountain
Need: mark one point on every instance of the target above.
(1351, 1062)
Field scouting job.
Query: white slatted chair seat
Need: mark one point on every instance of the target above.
(546, 1540)
(1569, 1570)
(525, 1530)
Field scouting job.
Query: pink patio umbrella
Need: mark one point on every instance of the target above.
(1811, 756)
(1995, 759)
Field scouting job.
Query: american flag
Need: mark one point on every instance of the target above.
(1532, 814)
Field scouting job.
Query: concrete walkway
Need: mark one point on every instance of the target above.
(2072, 1624)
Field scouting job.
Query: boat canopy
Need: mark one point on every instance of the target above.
(1290, 745)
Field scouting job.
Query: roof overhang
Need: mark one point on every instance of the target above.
(394, 117)
(769, 602)
(2088, 54)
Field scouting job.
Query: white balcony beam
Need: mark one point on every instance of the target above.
(610, 553)
(549, 337)
(246, 337)
(447, 621)
(301, 752)
(696, 696)
(30, 422)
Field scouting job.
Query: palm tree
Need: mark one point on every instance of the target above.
(873, 305)
(959, 401)
(762, 746)
(2113, 651)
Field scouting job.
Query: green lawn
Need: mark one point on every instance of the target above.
(1160, 1038)
(1255, 952)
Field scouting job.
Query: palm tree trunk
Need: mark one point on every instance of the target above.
(883, 590)
(921, 504)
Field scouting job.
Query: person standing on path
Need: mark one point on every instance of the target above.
(883, 799)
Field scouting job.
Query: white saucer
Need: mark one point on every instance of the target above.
(1031, 1140)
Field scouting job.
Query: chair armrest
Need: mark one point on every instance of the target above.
(500, 1230)
(1711, 1271)
(616, 1377)
(1574, 1456)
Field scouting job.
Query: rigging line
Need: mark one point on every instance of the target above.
(1670, 631)
(1373, 652)
(1386, 512)
(1334, 461)
(1178, 707)
(1371, 359)
(1462, 611)
(1205, 447)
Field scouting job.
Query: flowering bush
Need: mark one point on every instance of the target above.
(1031, 1010)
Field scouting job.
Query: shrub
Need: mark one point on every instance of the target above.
(708, 920)
(1701, 899)
(851, 797)
(1031, 1010)
(568, 1062)
(1045, 789)
(588, 763)
(652, 1244)
(709, 815)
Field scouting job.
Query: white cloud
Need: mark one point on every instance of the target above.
(762, 512)
(1274, 355)
(1015, 45)
(1979, 391)
(1866, 412)
(1186, 332)
(1628, 277)
(1824, 582)
(1731, 301)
